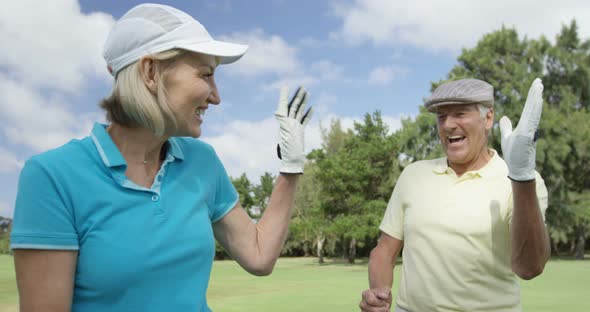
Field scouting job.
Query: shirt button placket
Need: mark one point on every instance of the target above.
(157, 199)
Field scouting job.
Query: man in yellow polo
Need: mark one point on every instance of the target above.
(470, 222)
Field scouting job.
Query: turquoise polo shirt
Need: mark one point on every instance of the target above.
(139, 249)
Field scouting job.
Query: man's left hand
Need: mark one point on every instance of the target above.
(518, 146)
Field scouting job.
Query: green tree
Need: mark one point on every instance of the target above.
(262, 191)
(357, 177)
(245, 190)
(418, 138)
(308, 225)
(5, 228)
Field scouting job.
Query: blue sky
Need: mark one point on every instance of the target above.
(353, 56)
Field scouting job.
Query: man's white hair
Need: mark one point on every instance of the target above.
(483, 111)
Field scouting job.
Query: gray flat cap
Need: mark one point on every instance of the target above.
(463, 91)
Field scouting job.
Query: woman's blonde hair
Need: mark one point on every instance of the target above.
(132, 104)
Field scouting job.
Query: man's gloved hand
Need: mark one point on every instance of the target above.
(292, 119)
(518, 146)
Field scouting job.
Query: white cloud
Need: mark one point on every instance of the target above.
(452, 25)
(9, 161)
(309, 42)
(394, 123)
(322, 104)
(39, 122)
(272, 55)
(291, 81)
(50, 52)
(328, 70)
(267, 54)
(383, 75)
(220, 6)
(250, 147)
(320, 71)
(51, 44)
(5, 209)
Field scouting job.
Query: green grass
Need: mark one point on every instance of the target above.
(8, 293)
(300, 284)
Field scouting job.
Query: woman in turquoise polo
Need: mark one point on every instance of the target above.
(126, 218)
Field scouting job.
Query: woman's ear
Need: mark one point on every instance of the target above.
(147, 71)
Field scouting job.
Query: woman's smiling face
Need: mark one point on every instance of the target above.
(190, 88)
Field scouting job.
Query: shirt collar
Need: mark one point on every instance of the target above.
(174, 149)
(441, 166)
(109, 153)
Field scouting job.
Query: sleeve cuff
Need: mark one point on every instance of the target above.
(226, 211)
(53, 241)
(395, 234)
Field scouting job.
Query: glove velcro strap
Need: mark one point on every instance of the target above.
(521, 181)
(291, 170)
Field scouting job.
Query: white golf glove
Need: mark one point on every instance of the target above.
(292, 119)
(518, 146)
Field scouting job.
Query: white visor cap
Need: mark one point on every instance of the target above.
(153, 28)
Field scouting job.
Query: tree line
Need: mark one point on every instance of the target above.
(343, 194)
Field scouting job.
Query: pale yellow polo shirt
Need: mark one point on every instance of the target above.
(456, 235)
